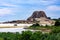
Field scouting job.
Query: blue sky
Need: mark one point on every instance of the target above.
(22, 9)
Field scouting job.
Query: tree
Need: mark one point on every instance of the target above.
(36, 36)
(18, 36)
(57, 23)
(26, 35)
(35, 25)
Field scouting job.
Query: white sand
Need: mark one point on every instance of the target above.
(12, 25)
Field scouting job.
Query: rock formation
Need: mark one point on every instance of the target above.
(37, 17)
(41, 18)
(37, 14)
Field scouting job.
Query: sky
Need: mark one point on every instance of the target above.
(22, 9)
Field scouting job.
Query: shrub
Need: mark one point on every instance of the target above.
(57, 23)
(35, 25)
(1, 38)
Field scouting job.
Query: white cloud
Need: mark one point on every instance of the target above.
(9, 9)
(5, 11)
(47, 2)
(40, 2)
(53, 11)
(53, 8)
(7, 4)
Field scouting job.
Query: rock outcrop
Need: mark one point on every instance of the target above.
(37, 14)
(37, 17)
(41, 18)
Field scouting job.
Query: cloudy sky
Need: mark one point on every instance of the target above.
(22, 9)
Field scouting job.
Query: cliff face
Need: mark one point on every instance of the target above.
(37, 14)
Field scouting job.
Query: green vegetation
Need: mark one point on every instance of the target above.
(56, 19)
(28, 35)
(57, 23)
(35, 35)
(55, 28)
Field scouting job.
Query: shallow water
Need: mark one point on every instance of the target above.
(11, 29)
(15, 30)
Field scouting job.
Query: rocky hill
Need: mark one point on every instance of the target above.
(37, 17)
(37, 14)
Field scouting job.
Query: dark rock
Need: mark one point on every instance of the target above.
(37, 14)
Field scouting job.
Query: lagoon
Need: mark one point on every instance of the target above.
(11, 29)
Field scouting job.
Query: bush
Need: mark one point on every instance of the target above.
(1, 38)
(57, 23)
(35, 25)
(28, 35)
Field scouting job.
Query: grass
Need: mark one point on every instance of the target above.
(45, 28)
